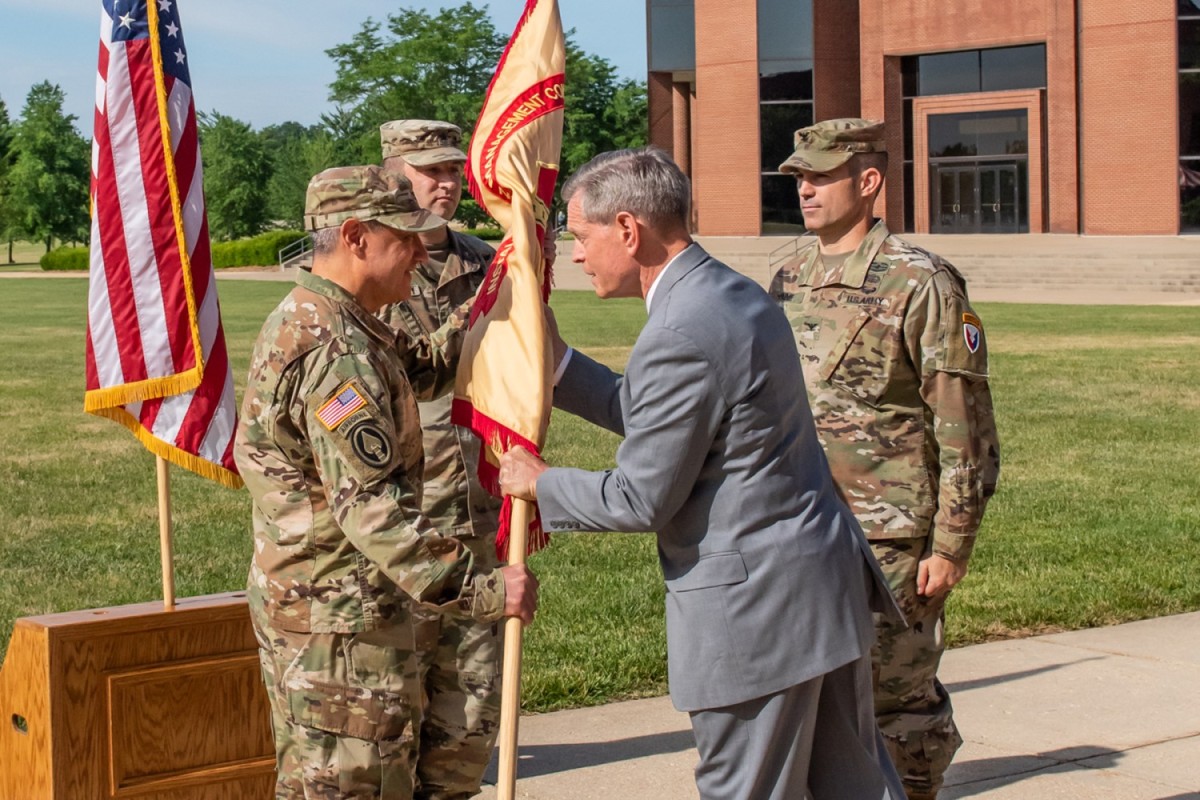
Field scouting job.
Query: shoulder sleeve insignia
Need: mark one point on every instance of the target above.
(336, 409)
(972, 329)
(370, 444)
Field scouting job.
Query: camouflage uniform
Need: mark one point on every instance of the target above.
(329, 446)
(459, 659)
(895, 363)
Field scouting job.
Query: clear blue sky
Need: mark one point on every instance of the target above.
(262, 61)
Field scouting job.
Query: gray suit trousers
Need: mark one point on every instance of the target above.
(813, 741)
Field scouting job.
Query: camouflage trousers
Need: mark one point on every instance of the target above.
(459, 673)
(911, 706)
(459, 664)
(345, 708)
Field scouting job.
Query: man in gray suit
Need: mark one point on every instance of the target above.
(769, 578)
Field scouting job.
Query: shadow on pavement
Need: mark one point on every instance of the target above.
(987, 774)
(546, 759)
(978, 683)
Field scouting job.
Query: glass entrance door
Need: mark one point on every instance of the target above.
(976, 198)
(956, 199)
(999, 203)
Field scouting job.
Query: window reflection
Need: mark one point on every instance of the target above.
(994, 70)
(672, 32)
(781, 206)
(1189, 43)
(1012, 68)
(1189, 113)
(779, 122)
(981, 133)
(948, 73)
(785, 94)
(796, 85)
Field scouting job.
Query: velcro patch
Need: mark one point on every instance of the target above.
(372, 446)
(336, 409)
(972, 331)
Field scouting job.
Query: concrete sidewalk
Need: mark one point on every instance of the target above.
(569, 277)
(1104, 714)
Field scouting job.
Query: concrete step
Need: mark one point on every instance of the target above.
(1151, 263)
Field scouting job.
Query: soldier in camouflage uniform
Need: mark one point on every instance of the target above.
(895, 363)
(329, 446)
(459, 659)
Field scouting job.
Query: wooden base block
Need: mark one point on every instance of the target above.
(136, 702)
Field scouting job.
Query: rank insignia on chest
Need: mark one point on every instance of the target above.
(336, 409)
(972, 331)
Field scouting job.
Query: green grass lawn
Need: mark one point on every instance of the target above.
(1097, 519)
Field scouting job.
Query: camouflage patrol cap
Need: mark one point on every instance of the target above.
(831, 143)
(365, 193)
(421, 142)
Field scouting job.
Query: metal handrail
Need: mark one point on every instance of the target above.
(294, 252)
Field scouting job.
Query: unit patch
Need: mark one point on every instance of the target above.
(972, 331)
(337, 408)
(370, 444)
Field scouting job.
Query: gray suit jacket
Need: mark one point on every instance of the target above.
(768, 575)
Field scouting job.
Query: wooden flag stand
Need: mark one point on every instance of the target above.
(510, 698)
(154, 701)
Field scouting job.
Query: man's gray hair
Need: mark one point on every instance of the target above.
(644, 182)
(324, 241)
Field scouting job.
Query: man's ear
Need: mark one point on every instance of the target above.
(354, 235)
(870, 181)
(627, 228)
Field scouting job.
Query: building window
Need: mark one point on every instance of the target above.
(1189, 116)
(964, 72)
(785, 95)
(671, 28)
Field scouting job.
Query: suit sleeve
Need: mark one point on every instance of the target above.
(945, 340)
(674, 411)
(592, 391)
(376, 503)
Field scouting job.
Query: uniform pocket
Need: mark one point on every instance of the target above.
(349, 685)
(863, 358)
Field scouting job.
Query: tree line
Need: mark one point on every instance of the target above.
(412, 64)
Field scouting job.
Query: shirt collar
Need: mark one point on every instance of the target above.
(657, 278)
(327, 288)
(854, 269)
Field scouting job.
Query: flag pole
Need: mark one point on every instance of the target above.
(166, 548)
(510, 697)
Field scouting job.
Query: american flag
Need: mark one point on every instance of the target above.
(156, 359)
(335, 411)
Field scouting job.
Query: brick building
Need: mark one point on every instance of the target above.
(1056, 116)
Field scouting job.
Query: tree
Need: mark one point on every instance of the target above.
(297, 153)
(424, 66)
(48, 182)
(418, 65)
(8, 228)
(602, 112)
(236, 173)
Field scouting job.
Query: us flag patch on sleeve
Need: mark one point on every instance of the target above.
(972, 331)
(337, 408)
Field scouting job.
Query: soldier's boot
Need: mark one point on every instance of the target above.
(921, 795)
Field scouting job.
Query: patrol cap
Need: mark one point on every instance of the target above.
(422, 142)
(831, 143)
(364, 193)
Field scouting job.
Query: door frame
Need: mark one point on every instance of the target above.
(1031, 100)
